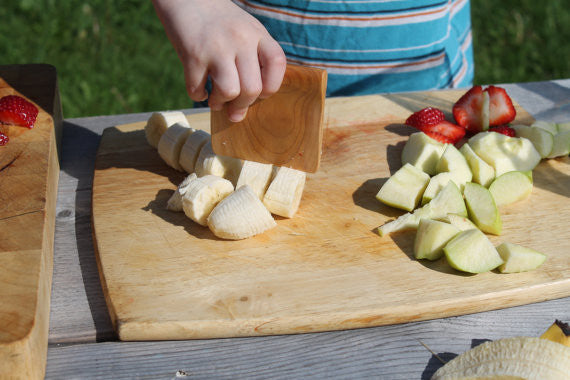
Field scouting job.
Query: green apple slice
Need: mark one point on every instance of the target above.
(459, 221)
(471, 251)
(510, 187)
(404, 189)
(546, 125)
(540, 138)
(436, 183)
(483, 173)
(518, 258)
(505, 153)
(561, 145)
(563, 127)
(482, 208)
(422, 152)
(452, 161)
(431, 237)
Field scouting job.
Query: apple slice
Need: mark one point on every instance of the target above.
(563, 127)
(454, 162)
(561, 145)
(471, 251)
(422, 152)
(404, 189)
(505, 153)
(482, 208)
(483, 173)
(511, 187)
(518, 258)
(436, 183)
(431, 237)
(546, 125)
(540, 138)
(459, 221)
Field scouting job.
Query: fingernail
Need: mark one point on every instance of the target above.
(237, 116)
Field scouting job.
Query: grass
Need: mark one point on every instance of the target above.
(113, 56)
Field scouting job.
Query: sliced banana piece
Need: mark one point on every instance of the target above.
(284, 193)
(202, 195)
(159, 122)
(171, 142)
(521, 357)
(191, 149)
(256, 175)
(209, 162)
(175, 201)
(240, 215)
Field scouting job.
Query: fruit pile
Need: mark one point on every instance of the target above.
(453, 194)
(15, 110)
(233, 197)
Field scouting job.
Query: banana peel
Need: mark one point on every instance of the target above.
(558, 332)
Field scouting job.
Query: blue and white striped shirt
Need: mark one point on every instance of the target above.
(374, 46)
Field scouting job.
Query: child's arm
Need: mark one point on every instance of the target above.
(219, 39)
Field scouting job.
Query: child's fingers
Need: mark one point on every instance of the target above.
(225, 84)
(273, 62)
(195, 77)
(249, 73)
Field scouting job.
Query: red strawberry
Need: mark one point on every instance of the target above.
(3, 139)
(471, 111)
(16, 110)
(426, 116)
(451, 132)
(501, 109)
(503, 129)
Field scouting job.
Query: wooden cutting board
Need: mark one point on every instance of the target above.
(29, 172)
(165, 277)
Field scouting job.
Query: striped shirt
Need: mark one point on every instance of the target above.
(374, 46)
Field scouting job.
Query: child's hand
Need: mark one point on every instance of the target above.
(219, 39)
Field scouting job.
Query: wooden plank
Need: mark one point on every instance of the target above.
(325, 269)
(29, 170)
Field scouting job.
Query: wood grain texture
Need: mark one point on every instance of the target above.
(325, 269)
(284, 129)
(29, 170)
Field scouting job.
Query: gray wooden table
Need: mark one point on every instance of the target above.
(82, 344)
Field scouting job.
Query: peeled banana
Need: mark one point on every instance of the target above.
(159, 122)
(240, 215)
(558, 332)
(191, 149)
(175, 201)
(521, 357)
(256, 175)
(209, 162)
(284, 193)
(171, 142)
(202, 195)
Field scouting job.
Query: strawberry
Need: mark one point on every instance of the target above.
(503, 129)
(451, 132)
(501, 109)
(426, 116)
(3, 139)
(471, 111)
(16, 110)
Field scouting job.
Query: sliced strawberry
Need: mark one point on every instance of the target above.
(471, 111)
(504, 130)
(501, 109)
(439, 137)
(451, 131)
(16, 110)
(426, 116)
(3, 139)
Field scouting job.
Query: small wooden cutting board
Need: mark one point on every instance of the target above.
(284, 129)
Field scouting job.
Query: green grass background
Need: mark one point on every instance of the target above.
(113, 56)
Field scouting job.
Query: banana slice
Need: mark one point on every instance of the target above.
(203, 194)
(209, 162)
(240, 215)
(175, 201)
(159, 122)
(191, 149)
(256, 175)
(171, 143)
(284, 193)
(521, 357)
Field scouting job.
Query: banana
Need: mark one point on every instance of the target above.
(558, 332)
(171, 143)
(284, 193)
(202, 195)
(159, 122)
(256, 175)
(175, 201)
(209, 162)
(520, 357)
(240, 215)
(191, 149)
